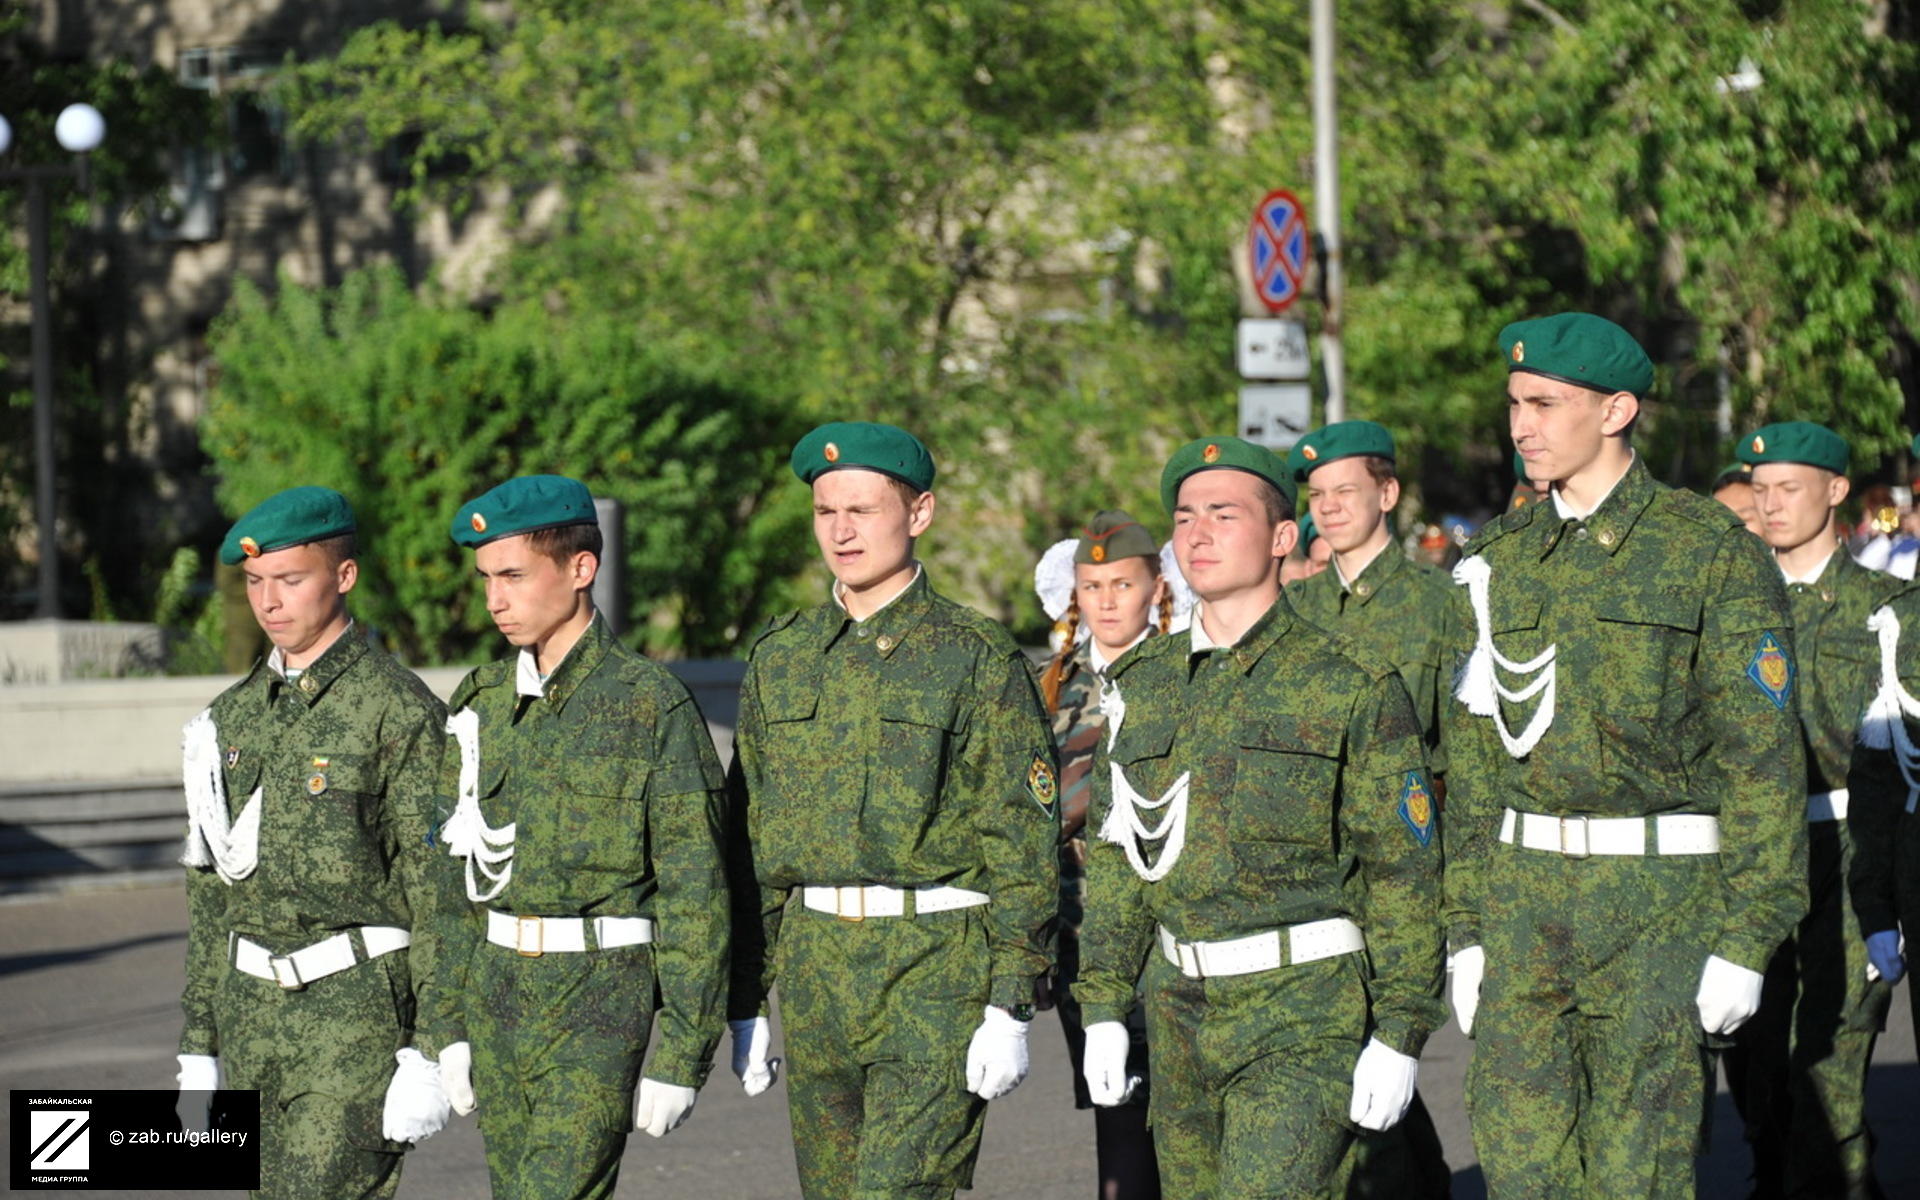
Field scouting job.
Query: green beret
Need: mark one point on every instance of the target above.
(1795, 442)
(1915, 448)
(524, 505)
(290, 518)
(1113, 534)
(1343, 439)
(1215, 453)
(1308, 532)
(1520, 468)
(1578, 348)
(1732, 473)
(838, 445)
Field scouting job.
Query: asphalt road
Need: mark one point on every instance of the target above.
(89, 988)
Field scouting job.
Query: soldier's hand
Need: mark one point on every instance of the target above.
(751, 1040)
(1729, 995)
(199, 1079)
(416, 1106)
(1105, 1064)
(1383, 1082)
(997, 1055)
(1886, 956)
(456, 1076)
(660, 1108)
(1466, 968)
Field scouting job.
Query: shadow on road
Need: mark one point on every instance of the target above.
(19, 964)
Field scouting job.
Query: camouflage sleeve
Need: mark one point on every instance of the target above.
(1116, 930)
(1876, 796)
(756, 910)
(1755, 762)
(206, 958)
(1010, 771)
(413, 754)
(685, 830)
(1388, 816)
(1472, 818)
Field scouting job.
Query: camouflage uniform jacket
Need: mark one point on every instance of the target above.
(1306, 767)
(612, 784)
(1078, 729)
(908, 749)
(1674, 680)
(347, 762)
(1839, 661)
(1397, 611)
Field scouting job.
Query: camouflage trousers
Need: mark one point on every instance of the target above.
(1798, 1070)
(557, 1043)
(877, 1016)
(1402, 1163)
(1253, 1077)
(321, 1058)
(1590, 1069)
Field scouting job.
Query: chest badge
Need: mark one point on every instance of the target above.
(1042, 785)
(317, 782)
(1771, 670)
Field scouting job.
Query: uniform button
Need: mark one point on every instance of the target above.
(1606, 537)
(1580, 532)
(1826, 597)
(1363, 589)
(306, 683)
(860, 631)
(884, 643)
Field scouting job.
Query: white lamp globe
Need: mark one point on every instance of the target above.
(6, 135)
(80, 127)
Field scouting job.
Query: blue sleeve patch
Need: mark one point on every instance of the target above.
(1416, 806)
(1771, 670)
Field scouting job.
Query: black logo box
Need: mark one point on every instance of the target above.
(133, 1140)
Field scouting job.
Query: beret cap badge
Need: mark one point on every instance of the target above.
(1759, 444)
(1519, 352)
(1210, 454)
(479, 523)
(831, 453)
(1309, 453)
(249, 547)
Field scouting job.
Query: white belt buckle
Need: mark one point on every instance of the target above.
(859, 905)
(285, 972)
(1189, 956)
(521, 925)
(1567, 847)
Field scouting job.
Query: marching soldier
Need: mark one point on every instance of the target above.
(1266, 867)
(588, 809)
(310, 882)
(894, 844)
(1625, 852)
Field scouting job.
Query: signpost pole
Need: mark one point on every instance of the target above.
(1326, 188)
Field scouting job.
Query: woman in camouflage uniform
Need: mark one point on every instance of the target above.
(1108, 590)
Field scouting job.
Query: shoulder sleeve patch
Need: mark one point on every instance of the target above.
(1771, 670)
(1416, 806)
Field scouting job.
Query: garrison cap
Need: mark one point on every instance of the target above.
(290, 518)
(839, 445)
(1795, 442)
(1343, 439)
(1211, 454)
(1578, 348)
(1113, 534)
(527, 504)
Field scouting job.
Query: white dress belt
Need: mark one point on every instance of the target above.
(534, 936)
(1827, 806)
(855, 903)
(329, 956)
(1582, 837)
(1304, 943)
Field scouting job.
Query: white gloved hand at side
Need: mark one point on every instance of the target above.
(997, 1055)
(1383, 1083)
(660, 1108)
(751, 1066)
(1105, 1065)
(456, 1076)
(1729, 995)
(416, 1106)
(199, 1079)
(1466, 970)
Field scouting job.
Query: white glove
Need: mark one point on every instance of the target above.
(997, 1055)
(1729, 995)
(660, 1108)
(751, 1040)
(416, 1106)
(1382, 1086)
(199, 1079)
(456, 1076)
(1105, 1064)
(1468, 968)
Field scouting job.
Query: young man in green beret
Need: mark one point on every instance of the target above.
(1397, 611)
(1267, 863)
(894, 836)
(588, 807)
(1626, 808)
(311, 884)
(1799, 1068)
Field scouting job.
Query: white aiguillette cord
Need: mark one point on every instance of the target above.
(1125, 827)
(467, 833)
(1480, 688)
(1885, 725)
(233, 849)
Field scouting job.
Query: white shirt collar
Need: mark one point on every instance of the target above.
(527, 680)
(1098, 661)
(1202, 640)
(1347, 584)
(1565, 509)
(1811, 577)
(841, 601)
(277, 658)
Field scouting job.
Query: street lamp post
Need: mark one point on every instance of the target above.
(79, 129)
